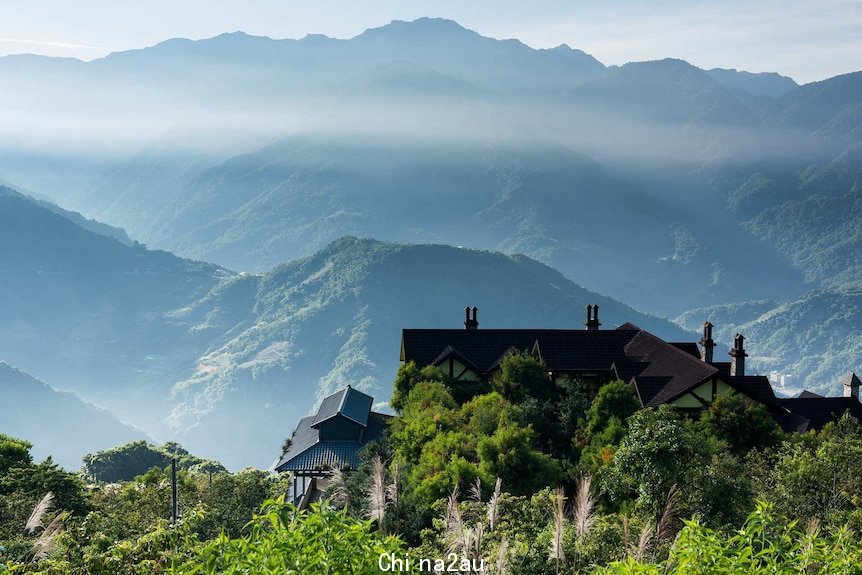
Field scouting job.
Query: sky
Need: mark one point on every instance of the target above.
(802, 39)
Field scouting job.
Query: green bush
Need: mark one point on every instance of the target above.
(768, 544)
(284, 541)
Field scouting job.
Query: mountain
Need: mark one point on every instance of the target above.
(821, 234)
(669, 187)
(444, 45)
(219, 360)
(238, 134)
(815, 339)
(58, 423)
(670, 91)
(92, 225)
(819, 105)
(83, 310)
(291, 198)
(312, 326)
(769, 84)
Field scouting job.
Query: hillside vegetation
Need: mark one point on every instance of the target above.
(612, 488)
(224, 361)
(57, 422)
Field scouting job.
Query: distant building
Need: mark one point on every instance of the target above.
(329, 440)
(681, 374)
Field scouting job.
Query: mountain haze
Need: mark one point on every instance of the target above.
(225, 362)
(58, 423)
(683, 192)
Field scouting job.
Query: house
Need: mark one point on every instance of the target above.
(683, 374)
(329, 440)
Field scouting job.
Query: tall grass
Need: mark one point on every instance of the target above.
(557, 552)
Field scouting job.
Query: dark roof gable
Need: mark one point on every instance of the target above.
(821, 410)
(349, 403)
(666, 361)
(560, 349)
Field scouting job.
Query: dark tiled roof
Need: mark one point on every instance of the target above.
(583, 350)
(821, 410)
(756, 387)
(308, 453)
(348, 402)
(325, 455)
(303, 438)
(660, 371)
(850, 380)
(789, 422)
(684, 371)
(561, 350)
(723, 367)
(688, 347)
(482, 346)
(809, 394)
(626, 370)
(648, 387)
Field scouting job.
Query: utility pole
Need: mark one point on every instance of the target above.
(175, 504)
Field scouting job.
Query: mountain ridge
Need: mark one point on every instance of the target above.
(59, 423)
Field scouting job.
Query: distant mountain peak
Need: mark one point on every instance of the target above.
(420, 28)
(237, 36)
(769, 84)
(316, 38)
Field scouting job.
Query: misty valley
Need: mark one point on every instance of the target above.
(211, 250)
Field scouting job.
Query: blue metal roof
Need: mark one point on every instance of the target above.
(308, 453)
(325, 455)
(349, 403)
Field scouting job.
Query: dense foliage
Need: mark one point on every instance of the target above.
(766, 544)
(284, 541)
(466, 478)
(125, 462)
(52, 522)
(639, 489)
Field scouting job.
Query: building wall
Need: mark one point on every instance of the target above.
(457, 370)
(705, 393)
(339, 428)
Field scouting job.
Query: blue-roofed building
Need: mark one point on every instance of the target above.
(329, 440)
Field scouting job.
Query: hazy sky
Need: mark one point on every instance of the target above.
(804, 39)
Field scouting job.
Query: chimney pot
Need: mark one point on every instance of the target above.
(592, 323)
(471, 322)
(737, 357)
(851, 386)
(707, 342)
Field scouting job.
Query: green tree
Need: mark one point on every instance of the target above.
(818, 479)
(604, 424)
(508, 454)
(446, 461)
(14, 452)
(660, 450)
(614, 401)
(742, 423)
(406, 379)
(521, 376)
(428, 410)
(130, 460)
